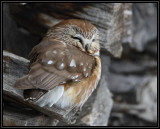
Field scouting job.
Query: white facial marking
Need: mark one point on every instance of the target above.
(78, 35)
(87, 41)
(73, 63)
(92, 37)
(50, 62)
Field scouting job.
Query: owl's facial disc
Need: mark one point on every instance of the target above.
(90, 46)
(84, 42)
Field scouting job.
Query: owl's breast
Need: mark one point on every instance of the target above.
(77, 93)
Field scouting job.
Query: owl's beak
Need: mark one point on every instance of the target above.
(86, 47)
(86, 43)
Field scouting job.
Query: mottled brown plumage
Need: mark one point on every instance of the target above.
(64, 67)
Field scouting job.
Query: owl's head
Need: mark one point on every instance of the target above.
(79, 33)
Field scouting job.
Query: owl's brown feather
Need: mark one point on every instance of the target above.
(46, 76)
(65, 66)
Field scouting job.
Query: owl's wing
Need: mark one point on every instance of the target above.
(38, 49)
(55, 63)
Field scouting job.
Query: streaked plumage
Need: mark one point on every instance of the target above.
(65, 66)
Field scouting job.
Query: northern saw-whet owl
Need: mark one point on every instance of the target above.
(65, 66)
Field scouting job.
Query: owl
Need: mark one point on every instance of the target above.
(65, 67)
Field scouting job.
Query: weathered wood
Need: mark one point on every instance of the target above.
(128, 24)
(95, 111)
(107, 17)
(15, 115)
(144, 25)
(146, 106)
(15, 67)
(16, 39)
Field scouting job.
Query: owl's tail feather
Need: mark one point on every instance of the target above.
(23, 83)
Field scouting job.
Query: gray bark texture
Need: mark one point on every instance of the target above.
(39, 17)
(133, 78)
